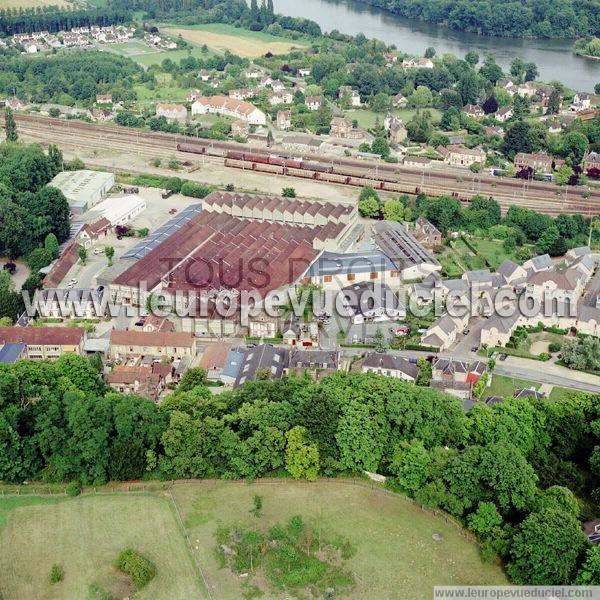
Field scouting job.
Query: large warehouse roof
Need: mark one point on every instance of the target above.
(80, 186)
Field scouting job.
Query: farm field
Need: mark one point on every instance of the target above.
(244, 43)
(33, 3)
(84, 535)
(396, 556)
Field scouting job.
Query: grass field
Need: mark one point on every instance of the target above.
(241, 42)
(85, 535)
(559, 393)
(505, 386)
(396, 556)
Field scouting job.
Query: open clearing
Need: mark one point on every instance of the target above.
(85, 535)
(246, 44)
(396, 556)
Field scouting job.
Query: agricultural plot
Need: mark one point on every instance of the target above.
(243, 43)
(34, 3)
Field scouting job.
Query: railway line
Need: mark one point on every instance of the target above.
(544, 197)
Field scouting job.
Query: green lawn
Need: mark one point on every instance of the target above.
(492, 251)
(505, 386)
(84, 535)
(396, 556)
(559, 393)
(259, 36)
(156, 58)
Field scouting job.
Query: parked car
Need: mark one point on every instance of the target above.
(503, 357)
(167, 194)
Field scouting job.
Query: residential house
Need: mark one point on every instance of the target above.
(314, 102)
(240, 128)
(581, 101)
(444, 331)
(44, 343)
(284, 119)
(304, 71)
(213, 360)
(11, 352)
(400, 101)
(155, 324)
(474, 110)
(176, 112)
(241, 93)
(591, 161)
(352, 96)
(538, 162)
(91, 232)
(317, 363)
(281, 97)
(125, 344)
(421, 63)
(239, 109)
(262, 361)
(503, 114)
(461, 156)
(343, 128)
(204, 75)
(389, 365)
(263, 326)
(147, 381)
(427, 234)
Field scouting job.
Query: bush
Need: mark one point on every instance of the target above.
(195, 190)
(140, 569)
(73, 489)
(554, 347)
(544, 356)
(57, 574)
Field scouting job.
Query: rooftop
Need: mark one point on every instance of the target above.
(79, 186)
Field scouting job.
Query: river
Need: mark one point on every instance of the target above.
(554, 58)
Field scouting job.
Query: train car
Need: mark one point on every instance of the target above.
(300, 173)
(317, 166)
(277, 160)
(267, 168)
(257, 158)
(235, 155)
(191, 149)
(237, 164)
(334, 178)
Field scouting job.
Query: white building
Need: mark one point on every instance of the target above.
(83, 189)
(238, 109)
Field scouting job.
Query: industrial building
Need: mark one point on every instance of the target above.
(83, 189)
(119, 211)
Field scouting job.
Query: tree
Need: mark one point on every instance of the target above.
(517, 68)
(425, 372)
(597, 89)
(109, 251)
(531, 71)
(380, 146)
(393, 210)
(51, 246)
(380, 341)
(589, 574)
(574, 146)
(368, 203)
(545, 549)
(288, 192)
(82, 252)
(490, 69)
(429, 52)
(472, 58)
(563, 175)
(554, 102)
(490, 105)
(301, 456)
(410, 462)
(192, 378)
(468, 87)
(450, 119)
(523, 136)
(485, 519)
(10, 125)
(380, 103)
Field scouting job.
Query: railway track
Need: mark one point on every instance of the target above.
(543, 197)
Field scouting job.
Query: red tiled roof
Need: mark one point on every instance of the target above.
(43, 336)
(147, 338)
(62, 266)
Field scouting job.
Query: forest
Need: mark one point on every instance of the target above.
(520, 475)
(504, 18)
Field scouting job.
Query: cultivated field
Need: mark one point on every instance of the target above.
(396, 555)
(84, 535)
(225, 37)
(33, 3)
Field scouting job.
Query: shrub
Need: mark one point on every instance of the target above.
(195, 190)
(57, 574)
(544, 356)
(554, 347)
(140, 569)
(73, 489)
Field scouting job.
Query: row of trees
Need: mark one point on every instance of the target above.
(520, 475)
(537, 18)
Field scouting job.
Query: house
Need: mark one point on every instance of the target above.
(241, 93)
(304, 71)
(104, 98)
(176, 112)
(587, 114)
(352, 96)
(91, 232)
(503, 114)
(263, 326)
(252, 73)
(591, 161)
(421, 63)
(474, 110)
(232, 366)
(44, 343)
(147, 381)
(389, 366)
(396, 129)
(461, 156)
(538, 162)
(155, 324)
(511, 272)
(125, 344)
(367, 333)
(317, 363)
(456, 377)
(444, 331)
(495, 130)
(240, 128)
(419, 162)
(284, 119)
(281, 97)
(314, 102)
(263, 362)
(277, 85)
(265, 82)
(529, 393)
(343, 128)
(213, 360)
(239, 109)
(581, 101)
(204, 75)
(400, 101)
(427, 234)
(369, 301)
(59, 269)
